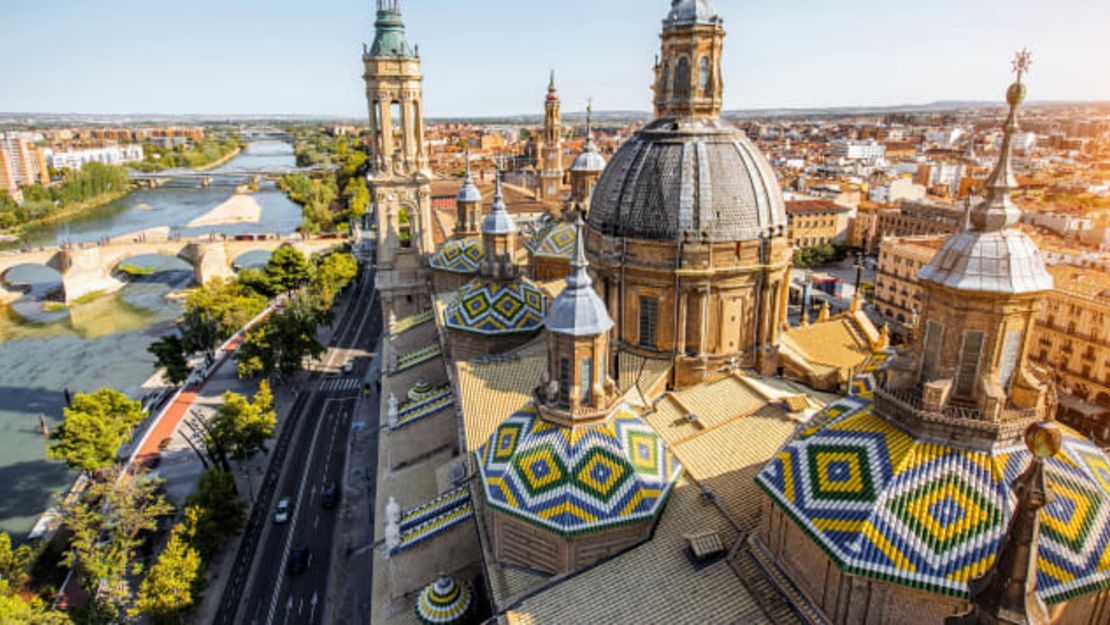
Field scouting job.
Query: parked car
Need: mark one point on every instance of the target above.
(281, 513)
(349, 366)
(331, 496)
(299, 560)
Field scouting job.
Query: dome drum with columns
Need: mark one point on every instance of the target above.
(687, 226)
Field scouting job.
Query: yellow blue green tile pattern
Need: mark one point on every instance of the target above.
(459, 256)
(887, 505)
(493, 308)
(555, 239)
(576, 480)
(444, 602)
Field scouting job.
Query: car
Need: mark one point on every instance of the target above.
(281, 513)
(331, 496)
(349, 366)
(299, 560)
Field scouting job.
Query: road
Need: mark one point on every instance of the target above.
(310, 456)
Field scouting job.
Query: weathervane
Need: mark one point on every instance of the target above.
(1023, 60)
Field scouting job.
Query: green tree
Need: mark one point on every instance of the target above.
(333, 272)
(107, 525)
(170, 354)
(283, 342)
(213, 512)
(94, 427)
(17, 610)
(245, 426)
(288, 269)
(13, 562)
(226, 306)
(170, 587)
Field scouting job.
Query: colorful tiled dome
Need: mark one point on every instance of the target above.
(421, 390)
(444, 601)
(459, 256)
(491, 308)
(887, 505)
(555, 239)
(576, 480)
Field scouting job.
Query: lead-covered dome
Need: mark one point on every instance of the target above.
(692, 12)
(689, 179)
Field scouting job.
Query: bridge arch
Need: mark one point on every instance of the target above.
(40, 280)
(252, 259)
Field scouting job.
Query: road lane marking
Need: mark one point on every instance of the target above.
(296, 513)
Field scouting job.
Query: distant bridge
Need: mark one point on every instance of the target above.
(93, 267)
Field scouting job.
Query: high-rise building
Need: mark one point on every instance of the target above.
(25, 163)
(399, 179)
(551, 148)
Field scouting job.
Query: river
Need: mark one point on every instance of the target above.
(102, 343)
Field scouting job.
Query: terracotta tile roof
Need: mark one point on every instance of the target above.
(839, 342)
(626, 589)
(495, 389)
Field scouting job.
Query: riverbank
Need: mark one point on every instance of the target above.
(220, 162)
(68, 212)
(240, 208)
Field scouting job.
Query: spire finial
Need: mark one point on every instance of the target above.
(998, 211)
(589, 117)
(551, 85)
(468, 161)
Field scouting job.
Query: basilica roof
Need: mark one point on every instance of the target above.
(554, 239)
(459, 256)
(572, 480)
(885, 504)
(698, 180)
(493, 308)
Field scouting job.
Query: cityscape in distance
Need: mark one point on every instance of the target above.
(721, 351)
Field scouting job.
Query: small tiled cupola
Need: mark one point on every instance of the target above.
(468, 206)
(578, 387)
(499, 239)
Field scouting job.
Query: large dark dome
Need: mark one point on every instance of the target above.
(689, 179)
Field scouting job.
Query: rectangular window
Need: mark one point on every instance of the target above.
(934, 334)
(649, 321)
(1010, 348)
(585, 379)
(970, 353)
(564, 381)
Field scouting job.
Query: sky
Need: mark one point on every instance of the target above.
(492, 57)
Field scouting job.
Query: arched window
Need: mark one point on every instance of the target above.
(682, 79)
(703, 75)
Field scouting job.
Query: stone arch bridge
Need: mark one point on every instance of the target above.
(93, 267)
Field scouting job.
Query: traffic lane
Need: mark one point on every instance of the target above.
(276, 535)
(315, 528)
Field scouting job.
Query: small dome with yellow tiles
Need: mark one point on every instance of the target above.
(497, 308)
(555, 240)
(886, 504)
(459, 256)
(574, 480)
(444, 602)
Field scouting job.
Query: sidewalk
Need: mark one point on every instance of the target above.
(348, 598)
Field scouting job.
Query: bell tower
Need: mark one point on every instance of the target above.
(688, 71)
(399, 178)
(551, 148)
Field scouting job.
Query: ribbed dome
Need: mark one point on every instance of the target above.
(692, 179)
(692, 11)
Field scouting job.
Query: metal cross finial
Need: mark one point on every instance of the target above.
(1023, 60)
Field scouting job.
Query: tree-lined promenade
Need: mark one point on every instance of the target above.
(110, 533)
